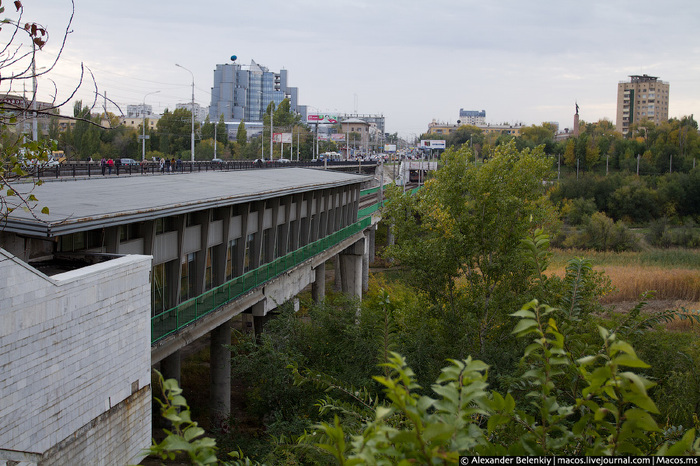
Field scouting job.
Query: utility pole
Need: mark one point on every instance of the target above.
(559, 169)
(272, 113)
(35, 132)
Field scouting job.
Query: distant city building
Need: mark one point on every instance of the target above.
(472, 117)
(240, 94)
(200, 113)
(370, 134)
(22, 108)
(436, 127)
(377, 120)
(642, 98)
(513, 130)
(135, 122)
(139, 111)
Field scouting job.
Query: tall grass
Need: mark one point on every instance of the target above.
(664, 258)
(631, 282)
(673, 274)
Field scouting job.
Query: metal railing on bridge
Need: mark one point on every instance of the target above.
(94, 169)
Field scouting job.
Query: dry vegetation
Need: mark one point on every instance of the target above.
(672, 275)
(630, 282)
(673, 284)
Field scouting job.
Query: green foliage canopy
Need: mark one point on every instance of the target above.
(461, 233)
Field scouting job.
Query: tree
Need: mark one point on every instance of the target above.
(460, 235)
(19, 156)
(610, 414)
(221, 131)
(174, 132)
(538, 135)
(242, 135)
(466, 134)
(284, 118)
(207, 130)
(205, 149)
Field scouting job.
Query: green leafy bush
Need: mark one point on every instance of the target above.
(612, 413)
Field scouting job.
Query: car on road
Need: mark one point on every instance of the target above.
(216, 161)
(129, 162)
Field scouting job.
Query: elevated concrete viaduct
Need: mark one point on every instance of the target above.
(218, 244)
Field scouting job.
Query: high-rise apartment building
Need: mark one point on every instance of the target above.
(642, 98)
(200, 113)
(139, 111)
(472, 117)
(245, 93)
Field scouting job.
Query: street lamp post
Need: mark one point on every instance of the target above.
(192, 151)
(143, 123)
(272, 113)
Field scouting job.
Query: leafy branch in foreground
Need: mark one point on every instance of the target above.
(611, 415)
(185, 437)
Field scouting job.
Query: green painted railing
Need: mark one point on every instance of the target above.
(367, 211)
(367, 192)
(174, 319)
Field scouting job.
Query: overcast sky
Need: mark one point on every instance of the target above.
(522, 62)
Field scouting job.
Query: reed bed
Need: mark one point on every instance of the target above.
(630, 282)
(661, 258)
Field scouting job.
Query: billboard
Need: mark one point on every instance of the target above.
(285, 138)
(389, 147)
(432, 143)
(337, 137)
(320, 118)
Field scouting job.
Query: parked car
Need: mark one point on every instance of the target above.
(129, 162)
(56, 158)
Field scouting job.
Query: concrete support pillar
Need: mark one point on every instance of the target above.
(258, 319)
(220, 370)
(337, 285)
(372, 236)
(111, 240)
(351, 269)
(365, 262)
(170, 367)
(318, 289)
(389, 236)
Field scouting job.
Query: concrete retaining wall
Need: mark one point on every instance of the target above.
(75, 361)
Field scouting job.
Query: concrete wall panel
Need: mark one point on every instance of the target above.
(216, 233)
(193, 239)
(132, 247)
(235, 227)
(73, 348)
(165, 248)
